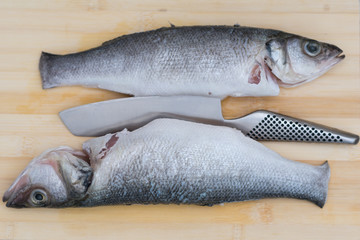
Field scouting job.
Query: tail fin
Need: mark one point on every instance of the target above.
(46, 70)
(319, 198)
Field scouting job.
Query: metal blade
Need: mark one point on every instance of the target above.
(100, 118)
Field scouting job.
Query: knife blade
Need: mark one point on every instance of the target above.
(100, 118)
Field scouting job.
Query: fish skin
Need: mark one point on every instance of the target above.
(174, 161)
(167, 161)
(199, 60)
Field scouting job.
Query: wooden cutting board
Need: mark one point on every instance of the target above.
(29, 123)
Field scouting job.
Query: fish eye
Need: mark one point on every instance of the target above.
(312, 48)
(38, 197)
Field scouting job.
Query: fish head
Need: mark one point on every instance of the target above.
(58, 177)
(296, 60)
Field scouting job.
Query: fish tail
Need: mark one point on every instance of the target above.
(322, 183)
(47, 70)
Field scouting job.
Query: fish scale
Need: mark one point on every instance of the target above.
(211, 167)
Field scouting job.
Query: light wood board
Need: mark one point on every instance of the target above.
(29, 123)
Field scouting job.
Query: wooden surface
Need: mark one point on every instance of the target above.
(29, 123)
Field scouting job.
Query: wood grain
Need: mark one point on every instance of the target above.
(29, 123)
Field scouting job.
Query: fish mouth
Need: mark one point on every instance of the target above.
(11, 202)
(6, 196)
(337, 52)
(16, 191)
(333, 58)
(339, 57)
(12, 198)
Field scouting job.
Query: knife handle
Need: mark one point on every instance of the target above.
(269, 126)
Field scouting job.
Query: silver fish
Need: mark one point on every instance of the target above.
(216, 61)
(166, 161)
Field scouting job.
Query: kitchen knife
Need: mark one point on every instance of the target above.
(100, 118)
